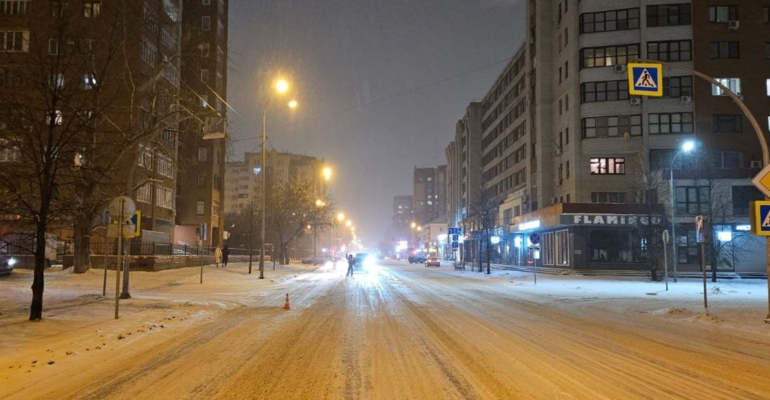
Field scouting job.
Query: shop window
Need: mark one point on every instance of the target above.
(614, 246)
(556, 248)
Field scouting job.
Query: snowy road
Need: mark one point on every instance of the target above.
(409, 332)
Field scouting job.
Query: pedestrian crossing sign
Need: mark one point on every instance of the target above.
(760, 218)
(645, 79)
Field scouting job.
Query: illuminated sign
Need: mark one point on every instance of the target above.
(609, 219)
(529, 225)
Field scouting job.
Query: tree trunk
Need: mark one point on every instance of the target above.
(82, 243)
(713, 265)
(480, 254)
(38, 281)
(489, 254)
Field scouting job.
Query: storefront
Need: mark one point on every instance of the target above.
(591, 236)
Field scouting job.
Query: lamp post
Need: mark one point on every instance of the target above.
(686, 148)
(281, 87)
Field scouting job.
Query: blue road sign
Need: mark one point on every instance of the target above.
(534, 238)
(455, 245)
(455, 231)
(645, 79)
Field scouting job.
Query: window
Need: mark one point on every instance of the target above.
(164, 197)
(608, 197)
(566, 102)
(205, 76)
(591, 92)
(220, 55)
(150, 19)
(734, 84)
(9, 152)
(206, 23)
(668, 15)
(742, 196)
(218, 82)
(566, 170)
(14, 7)
(726, 159)
(215, 208)
(171, 73)
(692, 200)
(53, 47)
(204, 101)
(205, 50)
(165, 166)
(53, 116)
(221, 7)
(220, 29)
(58, 8)
(726, 123)
(144, 193)
(14, 41)
(608, 166)
(92, 9)
(671, 123)
(200, 208)
(168, 38)
(202, 152)
(608, 21)
(149, 53)
(556, 248)
(612, 126)
(89, 81)
(766, 15)
(608, 56)
(725, 50)
(767, 84)
(171, 9)
(723, 13)
(677, 86)
(677, 50)
(202, 181)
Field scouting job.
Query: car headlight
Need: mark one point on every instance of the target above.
(11, 261)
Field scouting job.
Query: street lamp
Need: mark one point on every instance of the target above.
(686, 148)
(281, 86)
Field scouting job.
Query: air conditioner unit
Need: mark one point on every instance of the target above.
(734, 25)
(636, 101)
(686, 99)
(619, 69)
(756, 164)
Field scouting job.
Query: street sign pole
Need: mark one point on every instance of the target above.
(665, 255)
(700, 237)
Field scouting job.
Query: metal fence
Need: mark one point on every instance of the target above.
(158, 249)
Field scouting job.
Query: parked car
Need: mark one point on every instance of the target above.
(433, 260)
(6, 264)
(417, 258)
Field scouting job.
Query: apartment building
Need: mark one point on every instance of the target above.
(42, 37)
(429, 193)
(463, 176)
(201, 196)
(402, 218)
(598, 159)
(242, 186)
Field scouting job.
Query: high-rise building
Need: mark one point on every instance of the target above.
(200, 192)
(402, 217)
(75, 45)
(463, 155)
(589, 142)
(427, 187)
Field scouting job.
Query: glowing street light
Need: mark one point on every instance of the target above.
(281, 86)
(340, 217)
(327, 173)
(686, 148)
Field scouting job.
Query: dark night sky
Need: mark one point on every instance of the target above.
(381, 84)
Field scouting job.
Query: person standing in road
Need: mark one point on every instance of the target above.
(225, 255)
(351, 264)
(217, 256)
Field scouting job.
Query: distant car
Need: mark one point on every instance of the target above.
(417, 258)
(363, 260)
(6, 264)
(433, 261)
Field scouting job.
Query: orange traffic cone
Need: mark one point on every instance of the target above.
(286, 303)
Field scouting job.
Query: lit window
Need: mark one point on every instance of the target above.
(608, 166)
(200, 208)
(734, 84)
